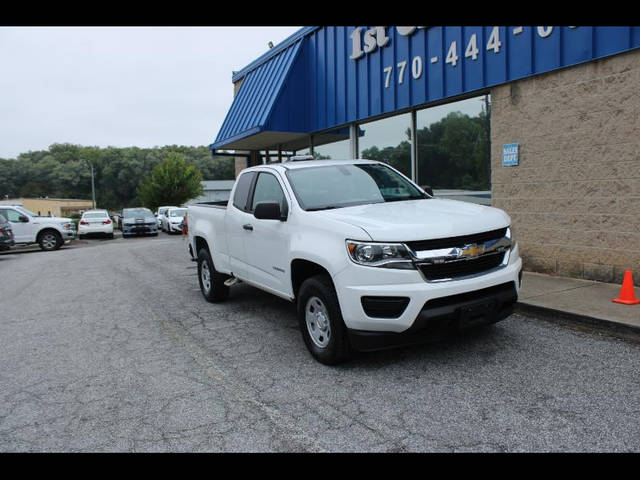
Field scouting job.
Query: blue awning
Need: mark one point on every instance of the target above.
(246, 126)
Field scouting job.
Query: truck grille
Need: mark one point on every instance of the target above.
(451, 242)
(460, 268)
(452, 257)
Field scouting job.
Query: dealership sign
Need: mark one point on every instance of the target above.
(510, 155)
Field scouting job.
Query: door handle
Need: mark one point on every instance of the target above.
(248, 226)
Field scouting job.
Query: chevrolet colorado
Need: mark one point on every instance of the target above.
(369, 257)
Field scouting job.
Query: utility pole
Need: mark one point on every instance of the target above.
(93, 188)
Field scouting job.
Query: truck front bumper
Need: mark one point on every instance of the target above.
(443, 316)
(421, 306)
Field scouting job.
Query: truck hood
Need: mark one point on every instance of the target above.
(53, 219)
(420, 219)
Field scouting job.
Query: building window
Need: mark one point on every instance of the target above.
(387, 140)
(333, 145)
(454, 149)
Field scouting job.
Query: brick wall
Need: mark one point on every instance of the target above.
(574, 199)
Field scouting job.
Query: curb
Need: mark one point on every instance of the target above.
(582, 322)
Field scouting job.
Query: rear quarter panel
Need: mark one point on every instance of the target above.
(207, 222)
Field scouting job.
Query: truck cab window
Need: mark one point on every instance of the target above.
(242, 190)
(268, 190)
(10, 215)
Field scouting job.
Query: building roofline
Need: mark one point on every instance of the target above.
(272, 52)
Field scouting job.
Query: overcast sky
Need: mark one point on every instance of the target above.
(123, 86)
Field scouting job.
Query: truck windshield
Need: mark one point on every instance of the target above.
(27, 212)
(336, 186)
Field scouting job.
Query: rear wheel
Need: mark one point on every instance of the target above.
(320, 320)
(211, 281)
(50, 240)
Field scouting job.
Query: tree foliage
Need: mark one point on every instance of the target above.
(174, 181)
(452, 153)
(62, 171)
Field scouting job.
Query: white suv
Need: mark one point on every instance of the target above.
(95, 221)
(172, 220)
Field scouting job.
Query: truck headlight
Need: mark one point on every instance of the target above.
(68, 226)
(510, 235)
(385, 255)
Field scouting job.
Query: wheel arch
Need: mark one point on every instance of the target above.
(200, 243)
(301, 269)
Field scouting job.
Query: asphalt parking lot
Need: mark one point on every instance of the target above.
(108, 345)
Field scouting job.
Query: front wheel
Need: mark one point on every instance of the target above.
(50, 240)
(320, 319)
(211, 281)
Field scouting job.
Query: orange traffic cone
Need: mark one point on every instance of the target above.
(626, 294)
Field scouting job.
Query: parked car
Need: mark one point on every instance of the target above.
(49, 232)
(172, 220)
(6, 234)
(369, 257)
(136, 221)
(95, 222)
(161, 213)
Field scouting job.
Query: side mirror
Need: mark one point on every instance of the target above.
(268, 211)
(23, 219)
(427, 189)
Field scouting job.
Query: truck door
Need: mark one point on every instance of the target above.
(22, 231)
(237, 218)
(267, 243)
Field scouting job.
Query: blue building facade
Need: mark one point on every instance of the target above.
(325, 78)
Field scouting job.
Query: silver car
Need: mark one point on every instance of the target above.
(136, 221)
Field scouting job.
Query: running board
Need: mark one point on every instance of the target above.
(231, 281)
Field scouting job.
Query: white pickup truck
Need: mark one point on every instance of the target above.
(49, 232)
(370, 258)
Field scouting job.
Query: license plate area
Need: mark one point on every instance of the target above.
(477, 313)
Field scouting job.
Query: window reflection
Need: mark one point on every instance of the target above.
(388, 140)
(453, 147)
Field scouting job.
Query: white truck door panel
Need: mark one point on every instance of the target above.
(267, 254)
(267, 244)
(22, 231)
(236, 234)
(236, 219)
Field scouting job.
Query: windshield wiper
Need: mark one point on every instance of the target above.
(328, 207)
(397, 199)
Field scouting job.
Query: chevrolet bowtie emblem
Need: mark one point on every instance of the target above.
(470, 251)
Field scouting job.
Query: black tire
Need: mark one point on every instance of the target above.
(111, 236)
(337, 348)
(50, 240)
(214, 290)
(80, 237)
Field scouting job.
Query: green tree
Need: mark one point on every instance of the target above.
(172, 182)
